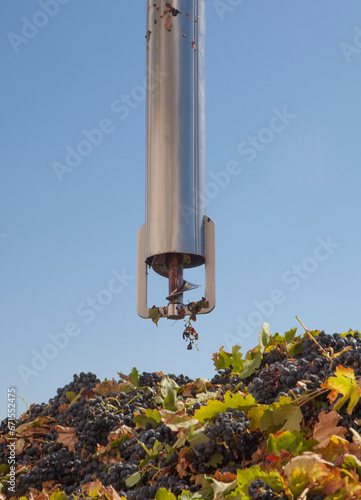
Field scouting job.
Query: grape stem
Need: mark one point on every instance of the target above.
(298, 319)
(22, 397)
(315, 341)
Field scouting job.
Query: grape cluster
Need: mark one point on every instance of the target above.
(259, 490)
(226, 379)
(280, 375)
(60, 466)
(229, 436)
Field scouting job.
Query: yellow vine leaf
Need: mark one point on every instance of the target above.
(344, 383)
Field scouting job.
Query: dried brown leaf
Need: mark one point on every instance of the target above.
(112, 494)
(118, 433)
(21, 445)
(50, 486)
(63, 407)
(224, 477)
(109, 386)
(327, 427)
(67, 436)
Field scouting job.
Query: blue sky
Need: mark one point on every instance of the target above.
(283, 110)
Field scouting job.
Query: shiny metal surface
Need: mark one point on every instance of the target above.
(170, 311)
(175, 171)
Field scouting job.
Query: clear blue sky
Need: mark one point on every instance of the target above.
(283, 105)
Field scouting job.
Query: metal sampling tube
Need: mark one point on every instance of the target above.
(175, 171)
(177, 234)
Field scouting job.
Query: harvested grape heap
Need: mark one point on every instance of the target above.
(282, 422)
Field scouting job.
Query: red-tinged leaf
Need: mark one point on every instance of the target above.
(314, 465)
(183, 462)
(35, 495)
(343, 383)
(224, 477)
(258, 455)
(284, 444)
(93, 488)
(273, 458)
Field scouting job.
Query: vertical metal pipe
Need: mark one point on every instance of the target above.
(175, 197)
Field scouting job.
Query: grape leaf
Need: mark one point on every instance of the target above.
(67, 436)
(264, 336)
(134, 479)
(163, 494)
(93, 489)
(315, 465)
(220, 488)
(196, 437)
(290, 335)
(154, 314)
(246, 476)
(344, 383)
(170, 400)
(293, 442)
(292, 416)
(236, 401)
(134, 376)
(225, 359)
(215, 460)
(167, 384)
(107, 387)
(58, 495)
(152, 417)
(308, 465)
(176, 422)
(295, 348)
(260, 417)
(327, 427)
(252, 364)
(270, 417)
(70, 395)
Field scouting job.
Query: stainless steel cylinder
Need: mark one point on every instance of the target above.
(175, 151)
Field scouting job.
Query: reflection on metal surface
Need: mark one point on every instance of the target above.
(185, 287)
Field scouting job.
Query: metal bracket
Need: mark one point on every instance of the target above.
(210, 275)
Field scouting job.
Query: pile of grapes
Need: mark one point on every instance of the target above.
(283, 422)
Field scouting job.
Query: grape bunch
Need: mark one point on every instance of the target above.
(259, 490)
(229, 436)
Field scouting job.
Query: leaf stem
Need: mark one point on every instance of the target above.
(315, 341)
(22, 397)
(298, 319)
